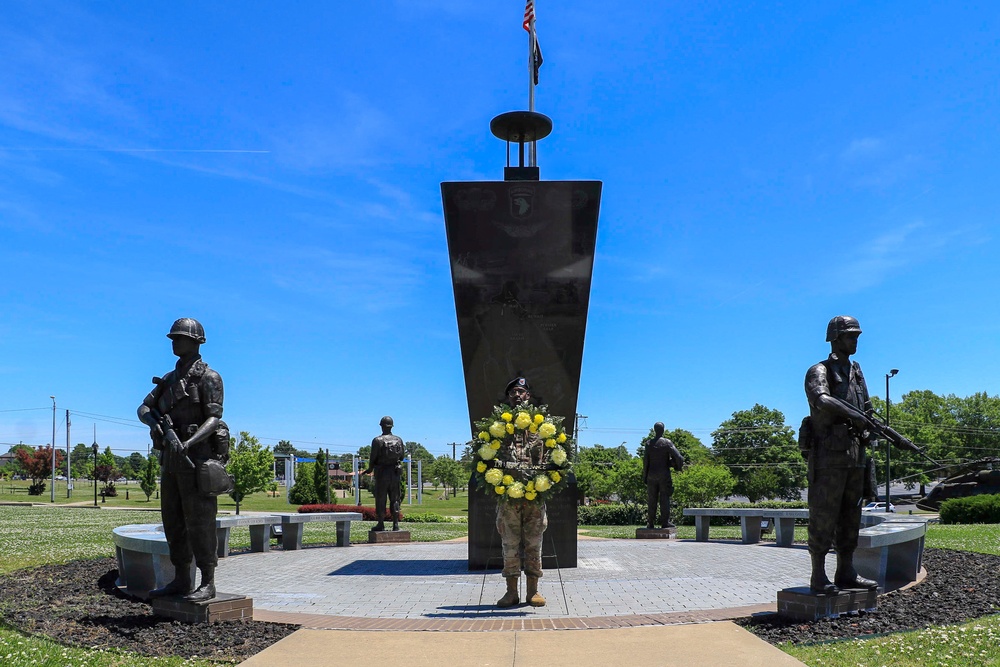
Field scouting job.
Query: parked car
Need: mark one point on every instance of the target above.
(877, 507)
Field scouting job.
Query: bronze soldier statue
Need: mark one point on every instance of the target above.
(660, 456)
(184, 415)
(521, 524)
(833, 440)
(386, 461)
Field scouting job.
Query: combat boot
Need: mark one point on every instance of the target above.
(511, 597)
(848, 577)
(532, 595)
(206, 591)
(181, 584)
(819, 582)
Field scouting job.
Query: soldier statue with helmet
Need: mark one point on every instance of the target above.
(833, 439)
(386, 462)
(184, 415)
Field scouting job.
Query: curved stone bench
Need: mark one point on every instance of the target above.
(890, 548)
(143, 558)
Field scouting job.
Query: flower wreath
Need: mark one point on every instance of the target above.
(510, 481)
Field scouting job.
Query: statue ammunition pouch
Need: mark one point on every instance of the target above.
(806, 436)
(213, 480)
(220, 441)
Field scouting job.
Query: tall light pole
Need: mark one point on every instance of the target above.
(52, 449)
(888, 445)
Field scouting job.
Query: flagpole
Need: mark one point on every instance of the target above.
(532, 46)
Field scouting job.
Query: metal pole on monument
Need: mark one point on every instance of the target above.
(69, 477)
(52, 449)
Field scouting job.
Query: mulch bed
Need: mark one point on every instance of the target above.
(960, 586)
(79, 604)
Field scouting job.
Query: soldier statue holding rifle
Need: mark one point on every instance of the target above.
(184, 415)
(841, 424)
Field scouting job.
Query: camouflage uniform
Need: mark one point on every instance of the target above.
(521, 523)
(836, 458)
(189, 395)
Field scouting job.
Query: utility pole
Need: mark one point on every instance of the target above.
(576, 436)
(52, 449)
(454, 447)
(69, 469)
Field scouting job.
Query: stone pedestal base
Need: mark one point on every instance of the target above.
(223, 607)
(804, 604)
(655, 533)
(388, 536)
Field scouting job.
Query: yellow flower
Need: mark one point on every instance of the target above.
(497, 429)
(523, 420)
(530, 485)
(507, 480)
(551, 442)
(486, 453)
(500, 490)
(533, 428)
(506, 416)
(516, 490)
(539, 419)
(561, 439)
(542, 483)
(480, 467)
(559, 456)
(510, 429)
(493, 476)
(495, 445)
(529, 495)
(484, 436)
(547, 430)
(555, 476)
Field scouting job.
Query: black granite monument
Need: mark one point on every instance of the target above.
(522, 256)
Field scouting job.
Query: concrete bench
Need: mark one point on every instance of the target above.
(143, 558)
(291, 527)
(751, 519)
(260, 526)
(890, 548)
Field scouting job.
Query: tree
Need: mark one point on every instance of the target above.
(37, 465)
(82, 461)
(107, 472)
(417, 452)
(15, 467)
(758, 439)
(147, 478)
(251, 465)
(626, 480)
(136, 462)
(702, 484)
(690, 446)
(447, 472)
(593, 470)
(303, 492)
(321, 478)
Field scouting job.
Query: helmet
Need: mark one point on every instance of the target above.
(189, 327)
(386, 421)
(841, 324)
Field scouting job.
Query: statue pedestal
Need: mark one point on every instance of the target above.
(804, 604)
(655, 533)
(223, 607)
(388, 536)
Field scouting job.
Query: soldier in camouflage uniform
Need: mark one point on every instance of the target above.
(184, 415)
(386, 457)
(834, 444)
(521, 523)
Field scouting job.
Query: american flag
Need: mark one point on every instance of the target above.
(529, 20)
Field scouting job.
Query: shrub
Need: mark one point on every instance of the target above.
(974, 509)
(429, 517)
(367, 513)
(303, 492)
(612, 514)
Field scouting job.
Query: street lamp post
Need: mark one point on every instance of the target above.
(52, 449)
(888, 445)
(94, 447)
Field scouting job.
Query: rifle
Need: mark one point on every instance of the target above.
(877, 426)
(169, 437)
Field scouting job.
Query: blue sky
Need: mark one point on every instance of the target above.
(273, 170)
